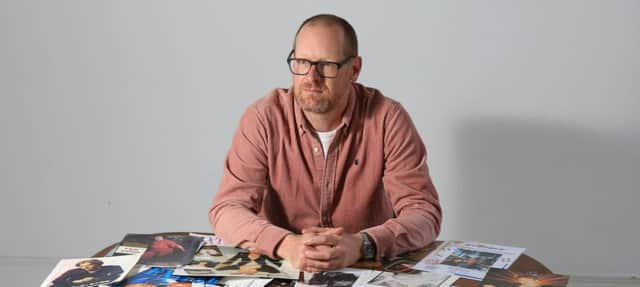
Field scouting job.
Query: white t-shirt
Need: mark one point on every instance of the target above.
(325, 139)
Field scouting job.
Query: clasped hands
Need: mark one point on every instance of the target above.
(321, 249)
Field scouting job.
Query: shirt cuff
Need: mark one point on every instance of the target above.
(269, 239)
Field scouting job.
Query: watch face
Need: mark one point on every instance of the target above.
(367, 248)
(368, 251)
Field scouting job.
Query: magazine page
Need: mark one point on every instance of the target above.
(210, 239)
(164, 277)
(280, 282)
(470, 260)
(508, 254)
(164, 250)
(401, 279)
(270, 282)
(207, 257)
(230, 261)
(438, 254)
(88, 272)
(205, 260)
(339, 278)
(247, 282)
(506, 278)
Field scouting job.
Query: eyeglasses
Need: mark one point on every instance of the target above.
(325, 69)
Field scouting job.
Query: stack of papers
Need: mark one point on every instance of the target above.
(203, 260)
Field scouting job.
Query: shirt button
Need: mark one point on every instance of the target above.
(316, 149)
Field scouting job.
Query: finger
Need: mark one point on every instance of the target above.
(314, 229)
(315, 270)
(323, 230)
(335, 231)
(325, 265)
(328, 240)
(321, 254)
(310, 264)
(312, 269)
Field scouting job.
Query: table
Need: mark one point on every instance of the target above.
(524, 263)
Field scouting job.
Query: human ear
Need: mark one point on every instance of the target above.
(356, 67)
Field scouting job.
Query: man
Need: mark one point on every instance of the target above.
(162, 247)
(329, 171)
(90, 272)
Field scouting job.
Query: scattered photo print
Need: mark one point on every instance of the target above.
(471, 259)
(420, 279)
(230, 261)
(339, 278)
(89, 272)
(162, 249)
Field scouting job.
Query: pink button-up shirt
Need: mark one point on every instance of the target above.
(374, 177)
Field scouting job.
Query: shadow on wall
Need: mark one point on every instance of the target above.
(567, 195)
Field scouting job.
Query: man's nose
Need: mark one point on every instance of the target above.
(313, 73)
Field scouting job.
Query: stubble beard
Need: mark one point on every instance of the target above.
(313, 102)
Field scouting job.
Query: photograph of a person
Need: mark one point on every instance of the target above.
(208, 256)
(419, 279)
(203, 263)
(199, 267)
(195, 271)
(471, 259)
(332, 279)
(174, 284)
(231, 261)
(326, 114)
(250, 263)
(281, 283)
(90, 272)
(163, 249)
(208, 251)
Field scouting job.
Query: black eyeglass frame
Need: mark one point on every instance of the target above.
(315, 63)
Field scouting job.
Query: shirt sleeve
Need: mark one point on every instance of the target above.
(234, 212)
(408, 185)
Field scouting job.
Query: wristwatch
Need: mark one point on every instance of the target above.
(368, 248)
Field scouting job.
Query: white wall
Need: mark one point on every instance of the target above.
(115, 116)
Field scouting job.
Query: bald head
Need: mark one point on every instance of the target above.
(350, 39)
